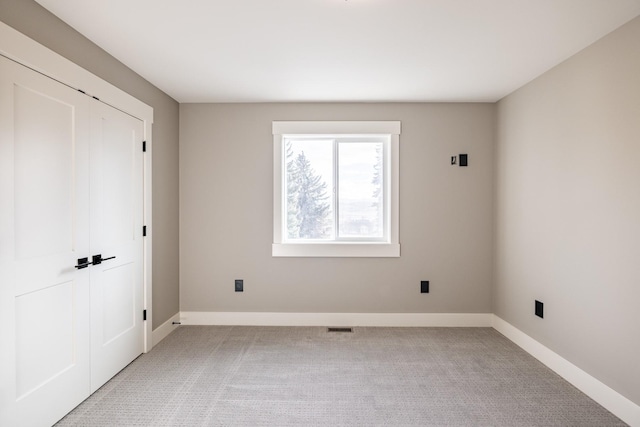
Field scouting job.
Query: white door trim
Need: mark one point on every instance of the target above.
(26, 51)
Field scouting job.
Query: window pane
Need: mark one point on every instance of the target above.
(309, 189)
(360, 192)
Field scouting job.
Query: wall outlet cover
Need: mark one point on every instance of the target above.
(539, 309)
(239, 285)
(424, 287)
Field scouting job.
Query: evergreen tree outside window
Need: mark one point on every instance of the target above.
(336, 193)
(309, 208)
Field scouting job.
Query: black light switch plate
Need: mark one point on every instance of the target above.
(539, 309)
(463, 160)
(424, 287)
(239, 285)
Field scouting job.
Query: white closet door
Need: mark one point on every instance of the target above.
(71, 187)
(117, 332)
(44, 215)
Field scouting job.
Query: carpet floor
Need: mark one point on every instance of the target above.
(306, 376)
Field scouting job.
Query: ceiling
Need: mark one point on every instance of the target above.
(342, 50)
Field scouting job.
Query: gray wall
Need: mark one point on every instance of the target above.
(568, 209)
(31, 19)
(226, 217)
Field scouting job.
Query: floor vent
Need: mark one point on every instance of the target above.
(339, 329)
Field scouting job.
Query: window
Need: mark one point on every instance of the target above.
(336, 189)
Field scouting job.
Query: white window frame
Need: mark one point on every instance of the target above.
(388, 247)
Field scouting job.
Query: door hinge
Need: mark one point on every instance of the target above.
(144, 230)
(144, 146)
(144, 314)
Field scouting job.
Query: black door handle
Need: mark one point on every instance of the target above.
(83, 263)
(97, 259)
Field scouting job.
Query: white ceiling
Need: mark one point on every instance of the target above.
(342, 50)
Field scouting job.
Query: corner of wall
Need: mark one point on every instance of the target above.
(165, 329)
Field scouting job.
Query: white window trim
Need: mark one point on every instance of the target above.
(337, 249)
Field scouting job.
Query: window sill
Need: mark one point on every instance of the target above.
(336, 250)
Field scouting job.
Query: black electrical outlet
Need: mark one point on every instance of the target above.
(539, 309)
(463, 160)
(424, 287)
(239, 285)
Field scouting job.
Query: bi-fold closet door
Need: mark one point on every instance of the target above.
(70, 189)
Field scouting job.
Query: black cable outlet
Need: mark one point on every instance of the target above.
(239, 285)
(540, 309)
(424, 286)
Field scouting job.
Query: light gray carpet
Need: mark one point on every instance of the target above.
(305, 376)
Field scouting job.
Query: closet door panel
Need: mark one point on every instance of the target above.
(116, 231)
(44, 195)
(118, 302)
(38, 166)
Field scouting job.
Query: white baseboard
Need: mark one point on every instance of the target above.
(165, 329)
(613, 401)
(338, 319)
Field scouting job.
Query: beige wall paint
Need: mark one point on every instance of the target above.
(31, 19)
(226, 218)
(568, 209)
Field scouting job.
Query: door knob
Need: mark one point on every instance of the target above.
(97, 259)
(83, 263)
